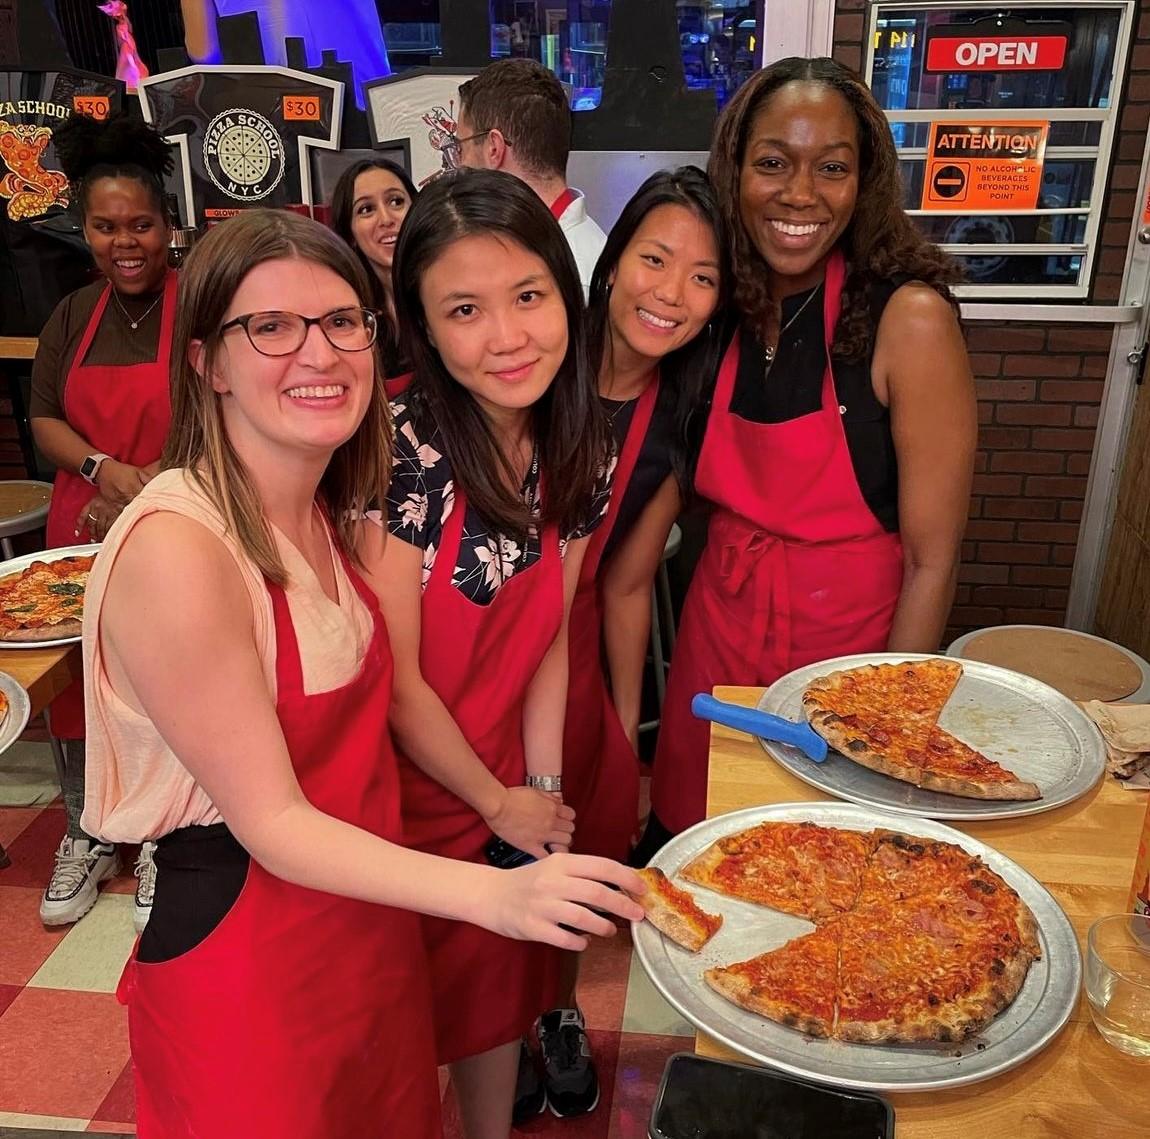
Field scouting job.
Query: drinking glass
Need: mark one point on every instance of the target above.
(1118, 981)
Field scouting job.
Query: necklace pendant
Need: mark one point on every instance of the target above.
(135, 324)
(769, 353)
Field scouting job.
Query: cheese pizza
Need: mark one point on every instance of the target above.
(885, 717)
(916, 940)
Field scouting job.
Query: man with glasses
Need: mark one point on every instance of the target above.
(514, 116)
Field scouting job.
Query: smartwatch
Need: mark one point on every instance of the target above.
(90, 467)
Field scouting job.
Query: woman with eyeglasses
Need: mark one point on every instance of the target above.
(501, 477)
(238, 676)
(368, 206)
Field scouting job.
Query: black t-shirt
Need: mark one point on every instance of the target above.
(652, 466)
(792, 387)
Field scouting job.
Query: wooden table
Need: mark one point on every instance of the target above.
(1079, 1087)
(42, 673)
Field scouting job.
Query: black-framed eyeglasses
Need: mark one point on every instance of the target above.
(282, 333)
(457, 143)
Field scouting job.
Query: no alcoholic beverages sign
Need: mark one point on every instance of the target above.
(984, 167)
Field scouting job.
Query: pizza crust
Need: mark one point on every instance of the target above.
(57, 632)
(974, 789)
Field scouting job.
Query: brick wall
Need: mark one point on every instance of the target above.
(1039, 389)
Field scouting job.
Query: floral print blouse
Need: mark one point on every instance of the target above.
(422, 496)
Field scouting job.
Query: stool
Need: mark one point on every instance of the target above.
(1079, 665)
(662, 622)
(23, 507)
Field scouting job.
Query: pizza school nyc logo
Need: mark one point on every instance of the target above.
(243, 154)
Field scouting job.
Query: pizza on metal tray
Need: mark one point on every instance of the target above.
(916, 940)
(45, 600)
(885, 717)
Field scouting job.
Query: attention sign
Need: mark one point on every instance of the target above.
(996, 53)
(984, 167)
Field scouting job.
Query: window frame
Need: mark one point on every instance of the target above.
(1101, 154)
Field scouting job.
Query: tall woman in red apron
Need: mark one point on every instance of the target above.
(838, 452)
(280, 987)
(100, 412)
(501, 476)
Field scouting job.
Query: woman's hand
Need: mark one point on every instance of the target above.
(533, 902)
(532, 820)
(119, 483)
(98, 517)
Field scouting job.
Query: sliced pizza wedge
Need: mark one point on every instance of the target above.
(793, 985)
(798, 868)
(675, 913)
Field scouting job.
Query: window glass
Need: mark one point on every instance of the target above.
(719, 40)
(411, 32)
(902, 78)
(969, 68)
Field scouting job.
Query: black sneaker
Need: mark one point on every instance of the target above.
(530, 1098)
(568, 1071)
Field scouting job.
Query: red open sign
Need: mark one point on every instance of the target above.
(996, 53)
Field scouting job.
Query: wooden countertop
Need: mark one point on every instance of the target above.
(42, 673)
(1079, 1087)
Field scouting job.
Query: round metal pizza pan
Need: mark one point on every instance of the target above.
(15, 565)
(19, 709)
(1037, 1014)
(1022, 723)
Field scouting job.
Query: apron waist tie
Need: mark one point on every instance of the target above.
(760, 557)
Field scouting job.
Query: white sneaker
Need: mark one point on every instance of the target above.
(80, 867)
(145, 886)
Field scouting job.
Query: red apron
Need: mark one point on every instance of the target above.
(796, 568)
(302, 1013)
(123, 411)
(600, 768)
(480, 659)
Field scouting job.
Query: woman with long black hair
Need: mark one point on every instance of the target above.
(501, 476)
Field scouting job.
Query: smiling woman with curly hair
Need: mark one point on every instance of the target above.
(839, 445)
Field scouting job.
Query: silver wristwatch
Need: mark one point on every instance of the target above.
(546, 782)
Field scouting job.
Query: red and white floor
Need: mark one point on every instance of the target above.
(64, 1062)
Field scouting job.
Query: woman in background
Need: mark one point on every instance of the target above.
(837, 455)
(100, 412)
(368, 206)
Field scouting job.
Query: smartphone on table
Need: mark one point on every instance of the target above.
(701, 1098)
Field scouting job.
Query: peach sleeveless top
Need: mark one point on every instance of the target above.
(136, 787)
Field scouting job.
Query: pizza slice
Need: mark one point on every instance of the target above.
(914, 971)
(675, 913)
(793, 985)
(955, 768)
(798, 868)
(45, 601)
(918, 688)
(905, 866)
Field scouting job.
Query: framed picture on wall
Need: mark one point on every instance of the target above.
(418, 110)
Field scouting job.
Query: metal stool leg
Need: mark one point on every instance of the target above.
(658, 659)
(663, 590)
(6, 546)
(58, 758)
